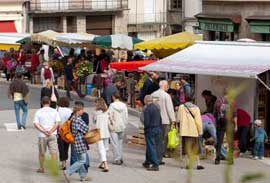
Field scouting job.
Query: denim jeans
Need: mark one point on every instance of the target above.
(259, 149)
(211, 129)
(220, 138)
(21, 122)
(117, 145)
(74, 158)
(243, 138)
(68, 87)
(78, 166)
(153, 144)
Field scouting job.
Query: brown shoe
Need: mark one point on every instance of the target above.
(40, 170)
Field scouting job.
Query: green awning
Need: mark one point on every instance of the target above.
(260, 26)
(217, 25)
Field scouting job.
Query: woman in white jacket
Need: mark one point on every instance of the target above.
(101, 120)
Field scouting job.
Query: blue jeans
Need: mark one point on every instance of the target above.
(153, 146)
(211, 129)
(78, 166)
(21, 122)
(259, 149)
(74, 158)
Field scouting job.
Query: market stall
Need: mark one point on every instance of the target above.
(165, 46)
(218, 65)
(130, 66)
(70, 40)
(116, 41)
(11, 40)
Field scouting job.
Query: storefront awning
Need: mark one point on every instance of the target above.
(234, 59)
(259, 24)
(219, 23)
(7, 26)
(130, 66)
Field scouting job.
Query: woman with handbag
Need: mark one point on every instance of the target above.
(50, 91)
(101, 120)
(189, 116)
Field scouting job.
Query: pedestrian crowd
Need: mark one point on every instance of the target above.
(164, 109)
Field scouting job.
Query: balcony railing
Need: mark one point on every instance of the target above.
(145, 18)
(155, 18)
(77, 5)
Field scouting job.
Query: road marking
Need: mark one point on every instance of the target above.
(11, 127)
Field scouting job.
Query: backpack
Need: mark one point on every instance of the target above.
(65, 132)
(47, 73)
(222, 110)
(116, 122)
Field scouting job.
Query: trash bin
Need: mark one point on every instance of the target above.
(89, 88)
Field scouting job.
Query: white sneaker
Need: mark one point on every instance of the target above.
(255, 158)
(22, 129)
(262, 158)
(241, 155)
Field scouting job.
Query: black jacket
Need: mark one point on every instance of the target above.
(152, 118)
(48, 93)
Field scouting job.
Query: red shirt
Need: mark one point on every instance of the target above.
(34, 61)
(21, 58)
(243, 118)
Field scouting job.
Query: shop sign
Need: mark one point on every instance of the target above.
(218, 27)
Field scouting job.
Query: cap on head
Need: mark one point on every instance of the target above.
(258, 122)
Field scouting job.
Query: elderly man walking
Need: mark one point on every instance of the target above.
(165, 104)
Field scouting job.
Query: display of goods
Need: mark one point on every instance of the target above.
(85, 68)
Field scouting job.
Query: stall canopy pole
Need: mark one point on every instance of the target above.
(264, 84)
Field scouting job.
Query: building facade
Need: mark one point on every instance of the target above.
(190, 9)
(100, 17)
(13, 16)
(235, 19)
(149, 19)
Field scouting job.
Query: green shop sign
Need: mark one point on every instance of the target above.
(258, 26)
(218, 26)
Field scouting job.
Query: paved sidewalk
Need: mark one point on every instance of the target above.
(19, 161)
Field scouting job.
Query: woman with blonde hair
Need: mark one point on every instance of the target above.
(50, 91)
(101, 120)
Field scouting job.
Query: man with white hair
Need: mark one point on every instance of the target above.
(165, 104)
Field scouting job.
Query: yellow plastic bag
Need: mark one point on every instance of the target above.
(173, 139)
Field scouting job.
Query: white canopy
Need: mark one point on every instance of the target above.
(76, 38)
(12, 38)
(235, 59)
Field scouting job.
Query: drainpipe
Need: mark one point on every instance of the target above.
(26, 8)
(183, 15)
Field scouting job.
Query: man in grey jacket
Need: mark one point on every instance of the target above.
(164, 101)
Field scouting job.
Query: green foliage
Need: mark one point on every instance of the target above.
(84, 69)
(252, 177)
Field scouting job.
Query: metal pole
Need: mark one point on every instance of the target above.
(263, 83)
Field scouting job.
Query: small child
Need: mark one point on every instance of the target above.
(260, 137)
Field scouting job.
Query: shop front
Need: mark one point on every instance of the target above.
(260, 25)
(217, 27)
